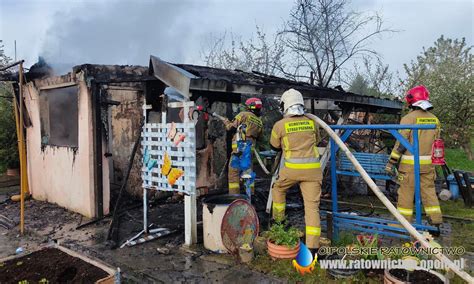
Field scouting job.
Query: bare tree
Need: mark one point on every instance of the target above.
(323, 35)
(255, 54)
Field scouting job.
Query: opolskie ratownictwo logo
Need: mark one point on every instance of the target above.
(305, 262)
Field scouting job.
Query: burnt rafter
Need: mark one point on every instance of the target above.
(192, 78)
(221, 83)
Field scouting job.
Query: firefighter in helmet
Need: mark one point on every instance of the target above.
(418, 100)
(297, 135)
(253, 131)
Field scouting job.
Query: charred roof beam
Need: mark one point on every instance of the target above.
(190, 78)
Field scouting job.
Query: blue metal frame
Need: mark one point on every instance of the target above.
(377, 225)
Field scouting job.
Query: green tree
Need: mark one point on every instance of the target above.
(4, 59)
(359, 85)
(372, 78)
(446, 69)
(8, 141)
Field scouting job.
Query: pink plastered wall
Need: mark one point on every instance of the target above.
(64, 175)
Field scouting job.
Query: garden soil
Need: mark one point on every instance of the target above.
(49, 265)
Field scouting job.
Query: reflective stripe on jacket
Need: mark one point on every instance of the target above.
(254, 127)
(409, 160)
(425, 141)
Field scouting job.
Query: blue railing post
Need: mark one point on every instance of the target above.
(344, 221)
(334, 188)
(416, 157)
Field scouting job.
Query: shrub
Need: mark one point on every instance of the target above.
(8, 140)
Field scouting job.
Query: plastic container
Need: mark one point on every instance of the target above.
(453, 187)
(246, 253)
(214, 208)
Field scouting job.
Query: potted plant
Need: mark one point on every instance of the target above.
(418, 275)
(368, 242)
(283, 243)
(413, 273)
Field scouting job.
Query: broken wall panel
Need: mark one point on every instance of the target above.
(124, 129)
(60, 174)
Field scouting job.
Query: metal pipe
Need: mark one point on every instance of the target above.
(385, 126)
(416, 154)
(22, 158)
(21, 146)
(371, 206)
(145, 211)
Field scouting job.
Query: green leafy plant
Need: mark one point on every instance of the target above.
(8, 140)
(368, 242)
(279, 236)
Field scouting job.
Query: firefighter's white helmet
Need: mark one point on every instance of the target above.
(290, 98)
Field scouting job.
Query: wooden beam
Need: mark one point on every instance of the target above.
(12, 64)
(57, 86)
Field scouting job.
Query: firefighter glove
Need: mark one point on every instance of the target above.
(391, 168)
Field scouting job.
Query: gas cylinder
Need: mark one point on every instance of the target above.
(437, 152)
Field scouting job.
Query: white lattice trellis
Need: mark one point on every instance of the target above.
(155, 144)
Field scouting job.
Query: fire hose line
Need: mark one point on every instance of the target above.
(260, 162)
(464, 275)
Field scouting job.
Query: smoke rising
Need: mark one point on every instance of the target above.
(123, 32)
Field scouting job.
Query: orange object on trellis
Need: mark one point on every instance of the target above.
(173, 174)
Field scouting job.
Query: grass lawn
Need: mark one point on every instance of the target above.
(451, 207)
(456, 209)
(457, 159)
(284, 269)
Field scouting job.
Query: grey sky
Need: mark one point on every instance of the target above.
(127, 32)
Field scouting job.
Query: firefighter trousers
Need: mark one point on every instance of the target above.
(234, 179)
(429, 199)
(311, 191)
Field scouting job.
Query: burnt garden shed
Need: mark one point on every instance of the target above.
(84, 123)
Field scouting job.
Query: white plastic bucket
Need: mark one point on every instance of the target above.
(213, 210)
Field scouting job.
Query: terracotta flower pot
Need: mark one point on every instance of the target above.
(389, 278)
(282, 252)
